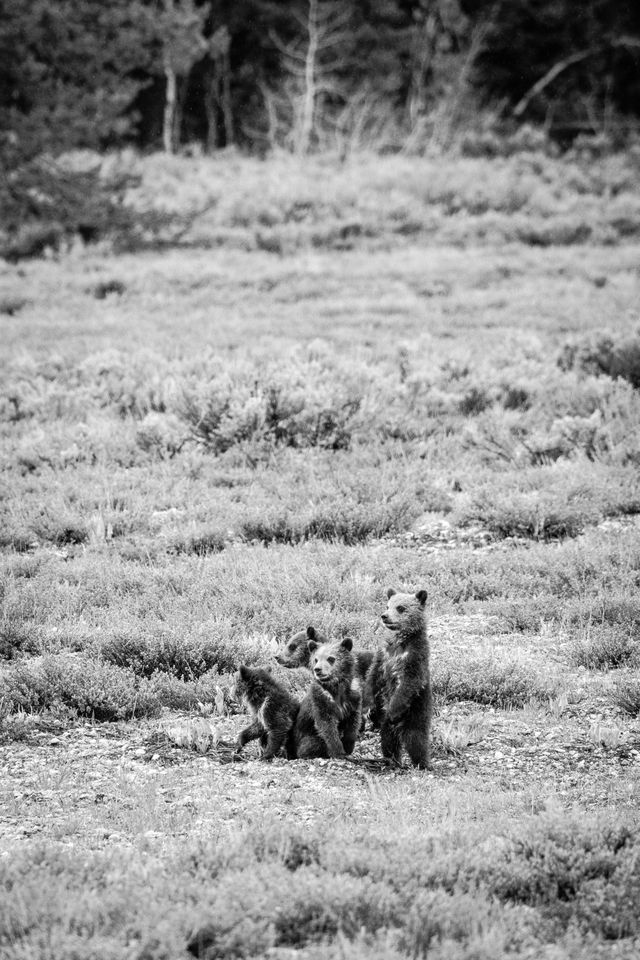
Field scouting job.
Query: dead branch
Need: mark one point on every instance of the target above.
(562, 65)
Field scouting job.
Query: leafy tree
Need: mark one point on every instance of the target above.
(68, 71)
(67, 76)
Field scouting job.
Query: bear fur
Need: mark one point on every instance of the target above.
(399, 680)
(328, 721)
(273, 711)
(296, 653)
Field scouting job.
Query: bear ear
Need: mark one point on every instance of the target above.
(390, 593)
(421, 597)
(347, 643)
(311, 646)
(311, 633)
(244, 672)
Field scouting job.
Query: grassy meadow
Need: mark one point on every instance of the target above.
(334, 378)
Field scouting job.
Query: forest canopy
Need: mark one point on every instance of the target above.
(309, 74)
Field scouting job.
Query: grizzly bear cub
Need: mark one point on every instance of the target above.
(296, 653)
(399, 680)
(329, 717)
(273, 710)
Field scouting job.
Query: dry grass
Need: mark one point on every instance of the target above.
(204, 450)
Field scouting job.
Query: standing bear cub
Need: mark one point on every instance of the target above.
(329, 717)
(273, 711)
(399, 680)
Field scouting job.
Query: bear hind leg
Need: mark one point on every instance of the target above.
(308, 748)
(416, 743)
(274, 742)
(390, 742)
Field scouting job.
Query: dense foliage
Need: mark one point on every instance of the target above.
(79, 73)
(574, 70)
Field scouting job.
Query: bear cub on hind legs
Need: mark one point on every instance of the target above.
(400, 682)
(273, 711)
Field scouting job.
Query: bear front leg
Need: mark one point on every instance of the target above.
(325, 718)
(400, 703)
(373, 689)
(252, 732)
(390, 741)
(352, 725)
(328, 730)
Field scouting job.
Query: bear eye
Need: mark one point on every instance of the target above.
(400, 609)
(331, 660)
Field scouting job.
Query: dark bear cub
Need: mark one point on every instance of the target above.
(399, 681)
(329, 717)
(273, 711)
(296, 653)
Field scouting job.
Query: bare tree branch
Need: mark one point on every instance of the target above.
(562, 65)
(549, 77)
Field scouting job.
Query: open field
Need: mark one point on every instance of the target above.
(202, 451)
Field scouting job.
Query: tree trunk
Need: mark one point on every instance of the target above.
(217, 101)
(422, 56)
(227, 109)
(211, 111)
(170, 109)
(309, 92)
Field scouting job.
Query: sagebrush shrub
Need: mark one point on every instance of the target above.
(305, 409)
(185, 657)
(609, 612)
(16, 639)
(90, 687)
(61, 529)
(614, 355)
(17, 537)
(532, 515)
(603, 648)
(487, 681)
(201, 542)
(589, 875)
(11, 305)
(345, 522)
(626, 696)
(160, 435)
